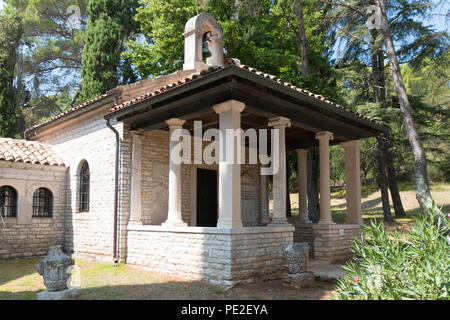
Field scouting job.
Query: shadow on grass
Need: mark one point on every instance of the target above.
(193, 290)
(100, 281)
(15, 269)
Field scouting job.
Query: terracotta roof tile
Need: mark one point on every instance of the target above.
(81, 106)
(235, 62)
(17, 150)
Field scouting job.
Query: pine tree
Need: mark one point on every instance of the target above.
(109, 26)
(396, 19)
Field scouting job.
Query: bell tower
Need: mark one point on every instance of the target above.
(202, 27)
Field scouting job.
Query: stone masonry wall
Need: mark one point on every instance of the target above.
(222, 256)
(24, 235)
(304, 233)
(332, 242)
(88, 138)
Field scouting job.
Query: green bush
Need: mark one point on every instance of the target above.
(390, 265)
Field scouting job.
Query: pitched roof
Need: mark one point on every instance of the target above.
(17, 150)
(228, 63)
(180, 78)
(72, 110)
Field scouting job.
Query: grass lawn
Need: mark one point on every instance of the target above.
(372, 207)
(19, 280)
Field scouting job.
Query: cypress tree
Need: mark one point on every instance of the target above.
(10, 34)
(110, 24)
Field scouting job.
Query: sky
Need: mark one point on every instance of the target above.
(439, 19)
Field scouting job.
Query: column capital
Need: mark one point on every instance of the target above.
(175, 123)
(324, 135)
(279, 122)
(232, 104)
(302, 151)
(351, 144)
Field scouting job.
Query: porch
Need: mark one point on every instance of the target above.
(238, 238)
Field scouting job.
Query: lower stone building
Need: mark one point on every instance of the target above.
(119, 193)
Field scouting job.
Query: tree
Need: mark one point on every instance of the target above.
(423, 193)
(109, 26)
(404, 11)
(11, 30)
(49, 58)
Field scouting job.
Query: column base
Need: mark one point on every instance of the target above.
(303, 221)
(279, 224)
(178, 223)
(326, 221)
(229, 224)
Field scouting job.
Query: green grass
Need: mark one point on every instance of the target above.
(19, 280)
(371, 203)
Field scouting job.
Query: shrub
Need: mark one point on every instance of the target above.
(390, 265)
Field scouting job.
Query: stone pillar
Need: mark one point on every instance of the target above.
(193, 50)
(229, 171)
(174, 213)
(324, 153)
(279, 178)
(302, 195)
(353, 181)
(136, 180)
(264, 200)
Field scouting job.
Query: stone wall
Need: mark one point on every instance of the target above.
(304, 233)
(24, 235)
(332, 242)
(88, 138)
(223, 256)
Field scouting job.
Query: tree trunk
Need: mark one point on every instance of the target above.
(423, 194)
(383, 182)
(384, 143)
(392, 178)
(288, 193)
(312, 188)
(298, 11)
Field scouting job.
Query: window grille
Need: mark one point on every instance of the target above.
(42, 203)
(84, 187)
(8, 201)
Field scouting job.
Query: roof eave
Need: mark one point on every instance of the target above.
(248, 75)
(35, 130)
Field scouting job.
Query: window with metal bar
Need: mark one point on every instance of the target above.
(42, 203)
(8, 201)
(84, 188)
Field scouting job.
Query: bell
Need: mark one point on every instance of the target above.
(205, 48)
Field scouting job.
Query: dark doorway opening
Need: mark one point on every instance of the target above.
(206, 198)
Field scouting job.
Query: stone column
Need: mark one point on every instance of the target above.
(174, 213)
(229, 171)
(324, 153)
(302, 195)
(353, 181)
(264, 200)
(193, 49)
(279, 178)
(136, 178)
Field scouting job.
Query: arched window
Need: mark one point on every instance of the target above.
(8, 201)
(84, 188)
(42, 203)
